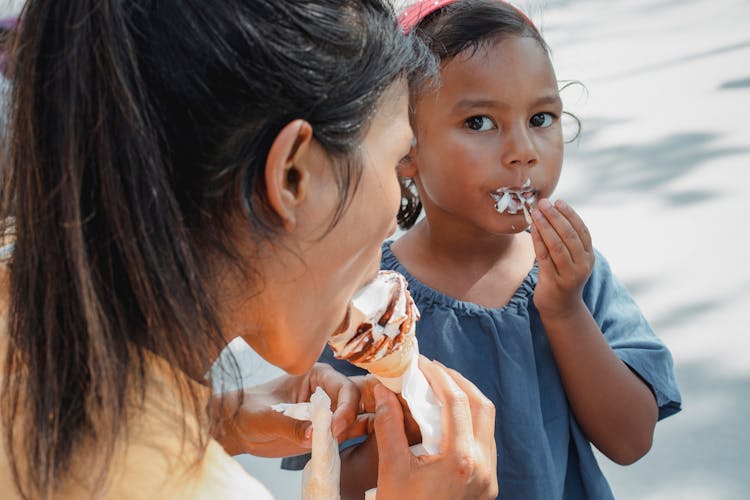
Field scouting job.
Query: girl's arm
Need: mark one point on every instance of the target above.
(615, 408)
(359, 469)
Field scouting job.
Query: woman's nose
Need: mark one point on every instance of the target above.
(519, 149)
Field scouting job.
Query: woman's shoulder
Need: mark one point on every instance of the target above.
(150, 473)
(167, 452)
(163, 450)
(160, 455)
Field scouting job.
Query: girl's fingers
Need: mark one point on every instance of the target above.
(458, 433)
(577, 223)
(567, 245)
(546, 264)
(556, 249)
(562, 240)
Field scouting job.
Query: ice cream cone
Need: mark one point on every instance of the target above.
(380, 334)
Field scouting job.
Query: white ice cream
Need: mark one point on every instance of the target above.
(508, 200)
(368, 307)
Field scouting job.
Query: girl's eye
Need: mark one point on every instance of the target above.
(479, 123)
(542, 120)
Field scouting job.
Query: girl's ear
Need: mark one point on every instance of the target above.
(287, 173)
(407, 167)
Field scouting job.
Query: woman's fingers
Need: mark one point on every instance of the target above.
(366, 385)
(393, 448)
(458, 431)
(266, 432)
(465, 466)
(344, 394)
(483, 415)
(482, 409)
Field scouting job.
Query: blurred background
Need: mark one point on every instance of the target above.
(657, 174)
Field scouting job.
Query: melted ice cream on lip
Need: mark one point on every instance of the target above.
(513, 200)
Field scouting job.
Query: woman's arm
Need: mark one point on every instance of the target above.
(248, 424)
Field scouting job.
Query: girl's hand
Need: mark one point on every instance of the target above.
(566, 257)
(465, 467)
(256, 428)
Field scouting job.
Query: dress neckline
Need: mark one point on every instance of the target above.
(519, 300)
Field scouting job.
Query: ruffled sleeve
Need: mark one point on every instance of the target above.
(631, 337)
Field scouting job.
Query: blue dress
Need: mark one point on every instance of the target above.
(542, 452)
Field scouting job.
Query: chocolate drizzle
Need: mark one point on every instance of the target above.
(364, 346)
(386, 317)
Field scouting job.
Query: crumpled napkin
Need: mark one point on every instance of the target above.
(321, 475)
(423, 405)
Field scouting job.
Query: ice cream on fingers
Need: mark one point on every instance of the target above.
(378, 332)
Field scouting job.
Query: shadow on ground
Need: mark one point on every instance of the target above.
(643, 168)
(701, 446)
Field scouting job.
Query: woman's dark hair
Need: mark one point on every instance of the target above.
(449, 31)
(138, 131)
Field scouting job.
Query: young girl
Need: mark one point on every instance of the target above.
(534, 318)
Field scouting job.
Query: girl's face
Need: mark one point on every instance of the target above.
(307, 288)
(493, 123)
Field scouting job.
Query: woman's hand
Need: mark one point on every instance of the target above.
(465, 467)
(252, 426)
(566, 257)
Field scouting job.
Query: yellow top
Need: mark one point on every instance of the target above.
(153, 462)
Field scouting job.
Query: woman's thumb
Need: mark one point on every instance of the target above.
(301, 433)
(277, 425)
(393, 446)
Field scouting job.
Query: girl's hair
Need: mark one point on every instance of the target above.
(138, 133)
(449, 31)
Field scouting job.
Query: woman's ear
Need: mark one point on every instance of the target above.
(287, 176)
(407, 167)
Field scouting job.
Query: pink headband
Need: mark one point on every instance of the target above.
(423, 8)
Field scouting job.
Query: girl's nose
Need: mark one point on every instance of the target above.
(519, 149)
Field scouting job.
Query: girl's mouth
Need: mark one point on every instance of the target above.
(513, 200)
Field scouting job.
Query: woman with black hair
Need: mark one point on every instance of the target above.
(177, 174)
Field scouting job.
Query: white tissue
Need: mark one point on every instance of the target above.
(320, 477)
(424, 407)
(422, 402)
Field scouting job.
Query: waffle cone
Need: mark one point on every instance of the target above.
(394, 364)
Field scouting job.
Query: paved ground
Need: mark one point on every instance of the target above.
(658, 175)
